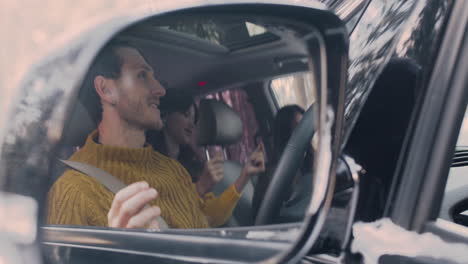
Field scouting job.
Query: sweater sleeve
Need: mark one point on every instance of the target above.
(67, 205)
(218, 209)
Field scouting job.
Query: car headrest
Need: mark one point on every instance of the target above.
(218, 124)
(79, 126)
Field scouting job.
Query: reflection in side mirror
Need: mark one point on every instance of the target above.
(199, 53)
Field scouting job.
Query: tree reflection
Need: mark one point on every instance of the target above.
(373, 43)
(294, 89)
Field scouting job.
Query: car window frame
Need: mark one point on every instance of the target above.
(436, 123)
(455, 185)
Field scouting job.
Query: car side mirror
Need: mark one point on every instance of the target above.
(200, 47)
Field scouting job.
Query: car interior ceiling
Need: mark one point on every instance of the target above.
(181, 62)
(188, 61)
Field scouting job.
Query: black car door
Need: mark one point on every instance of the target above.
(416, 233)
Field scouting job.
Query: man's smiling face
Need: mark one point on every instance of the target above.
(138, 92)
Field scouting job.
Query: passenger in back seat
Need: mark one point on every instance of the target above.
(121, 93)
(293, 209)
(180, 115)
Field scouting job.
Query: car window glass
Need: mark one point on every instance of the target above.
(168, 117)
(455, 203)
(293, 89)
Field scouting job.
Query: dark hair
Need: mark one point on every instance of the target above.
(282, 132)
(282, 127)
(108, 63)
(180, 102)
(177, 101)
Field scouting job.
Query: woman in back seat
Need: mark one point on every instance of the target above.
(293, 208)
(180, 115)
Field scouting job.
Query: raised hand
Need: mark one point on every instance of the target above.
(128, 207)
(212, 173)
(254, 165)
(256, 162)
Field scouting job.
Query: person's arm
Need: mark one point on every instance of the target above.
(77, 199)
(219, 209)
(255, 164)
(213, 172)
(66, 205)
(72, 202)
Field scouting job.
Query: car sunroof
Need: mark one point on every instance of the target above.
(232, 34)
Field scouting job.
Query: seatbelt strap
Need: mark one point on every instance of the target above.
(109, 181)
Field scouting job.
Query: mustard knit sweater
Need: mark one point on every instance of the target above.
(77, 199)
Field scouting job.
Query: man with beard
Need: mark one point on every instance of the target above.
(122, 95)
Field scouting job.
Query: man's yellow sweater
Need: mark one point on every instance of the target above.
(78, 199)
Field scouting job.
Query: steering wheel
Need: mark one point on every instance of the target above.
(290, 161)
